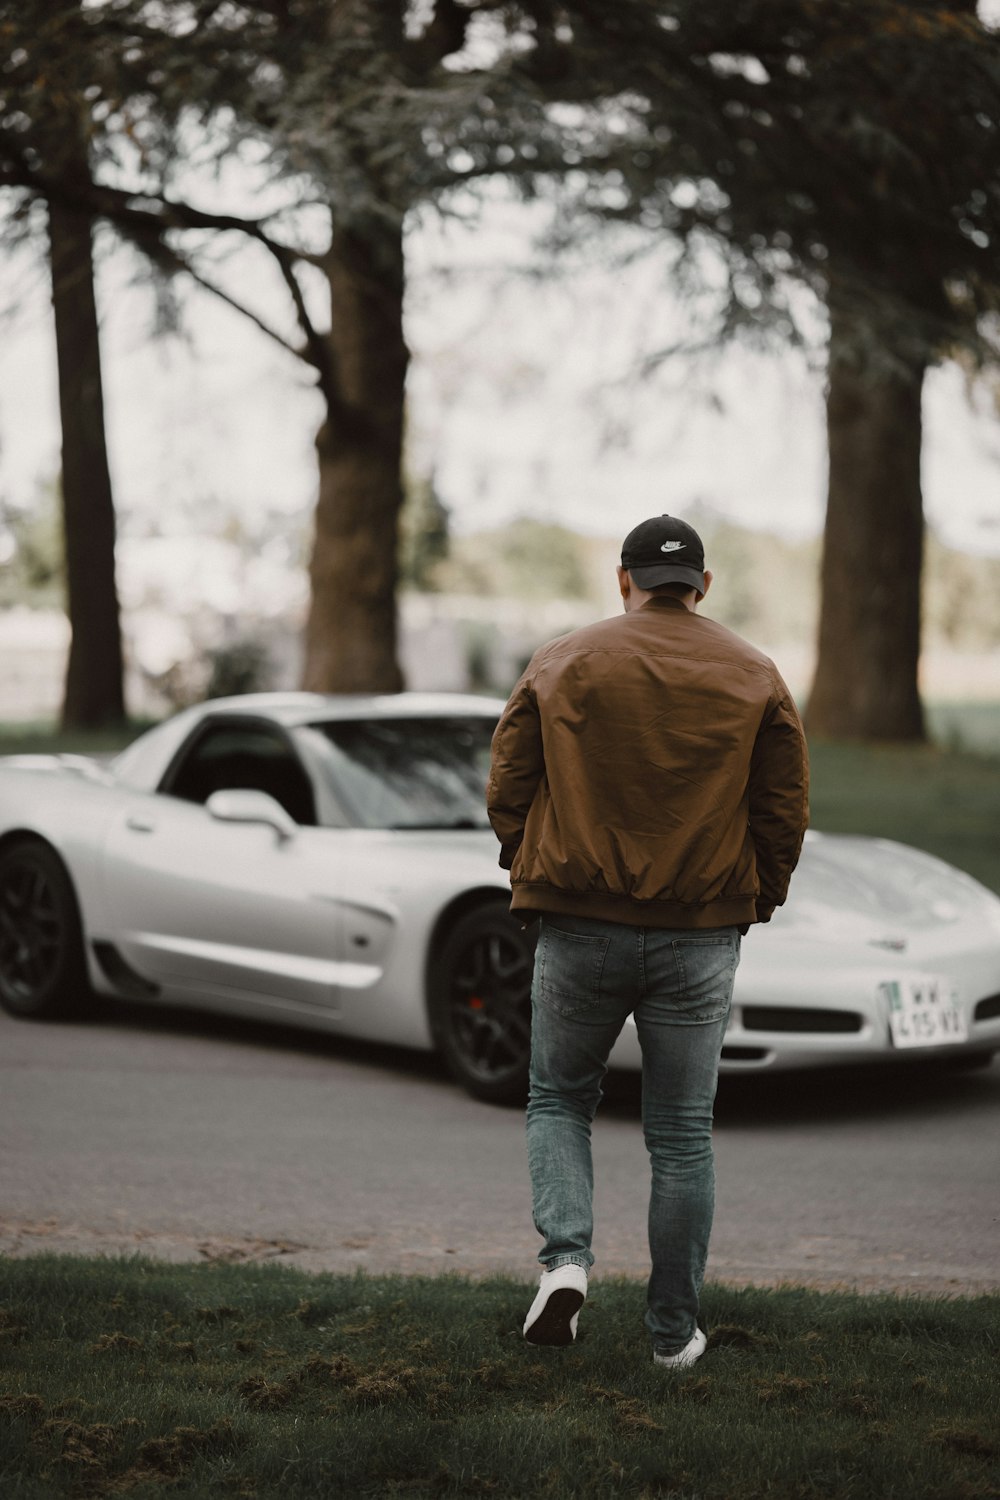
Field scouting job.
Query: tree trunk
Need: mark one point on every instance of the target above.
(865, 685)
(351, 628)
(93, 694)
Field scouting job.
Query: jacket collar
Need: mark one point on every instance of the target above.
(664, 601)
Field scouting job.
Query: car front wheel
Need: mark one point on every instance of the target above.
(481, 1003)
(42, 968)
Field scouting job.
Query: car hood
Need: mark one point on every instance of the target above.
(879, 892)
(846, 887)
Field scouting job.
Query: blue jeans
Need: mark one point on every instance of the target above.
(589, 976)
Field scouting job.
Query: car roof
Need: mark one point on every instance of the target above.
(144, 762)
(306, 708)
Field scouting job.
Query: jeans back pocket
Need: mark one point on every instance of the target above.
(568, 969)
(706, 968)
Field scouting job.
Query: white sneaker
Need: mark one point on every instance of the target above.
(552, 1317)
(686, 1357)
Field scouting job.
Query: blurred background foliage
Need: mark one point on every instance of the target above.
(33, 552)
(525, 559)
(766, 586)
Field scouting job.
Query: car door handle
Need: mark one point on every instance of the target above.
(139, 824)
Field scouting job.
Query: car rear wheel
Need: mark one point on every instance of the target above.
(42, 968)
(481, 1003)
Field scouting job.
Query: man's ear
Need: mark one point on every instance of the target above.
(624, 583)
(708, 584)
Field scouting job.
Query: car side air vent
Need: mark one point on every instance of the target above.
(744, 1054)
(121, 974)
(987, 1009)
(795, 1018)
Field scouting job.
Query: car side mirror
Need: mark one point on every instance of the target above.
(243, 805)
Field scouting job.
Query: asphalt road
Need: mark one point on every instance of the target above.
(191, 1138)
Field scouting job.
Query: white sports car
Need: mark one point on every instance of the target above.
(328, 861)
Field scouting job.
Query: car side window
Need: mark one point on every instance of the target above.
(242, 756)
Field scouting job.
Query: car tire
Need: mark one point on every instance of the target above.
(480, 1003)
(43, 972)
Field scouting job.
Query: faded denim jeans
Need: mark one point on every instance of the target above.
(589, 976)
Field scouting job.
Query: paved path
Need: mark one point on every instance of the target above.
(190, 1138)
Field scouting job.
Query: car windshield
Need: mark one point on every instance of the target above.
(407, 773)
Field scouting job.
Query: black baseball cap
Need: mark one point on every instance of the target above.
(664, 550)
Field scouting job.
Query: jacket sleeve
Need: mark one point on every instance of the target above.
(516, 769)
(779, 798)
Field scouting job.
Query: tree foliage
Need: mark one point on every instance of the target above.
(44, 114)
(855, 151)
(525, 559)
(34, 570)
(424, 537)
(851, 149)
(353, 113)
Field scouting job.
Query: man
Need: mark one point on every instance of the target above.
(649, 791)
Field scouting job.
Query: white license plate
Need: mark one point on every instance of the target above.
(924, 1011)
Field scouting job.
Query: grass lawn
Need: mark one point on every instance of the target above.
(129, 1377)
(945, 801)
(42, 739)
(965, 726)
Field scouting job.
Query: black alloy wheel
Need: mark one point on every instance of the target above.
(481, 1003)
(42, 968)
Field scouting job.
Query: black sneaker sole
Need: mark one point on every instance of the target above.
(551, 1327)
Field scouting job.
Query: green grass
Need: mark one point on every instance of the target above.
(123, 1377)
(43, 738)
(965, 726)
(946, 802)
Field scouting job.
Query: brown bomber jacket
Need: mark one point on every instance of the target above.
(650, 769)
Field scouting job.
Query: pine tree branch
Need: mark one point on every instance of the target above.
(121, 203)
(171, 260)
(442, 37)
(146, 227)
(318, 348)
